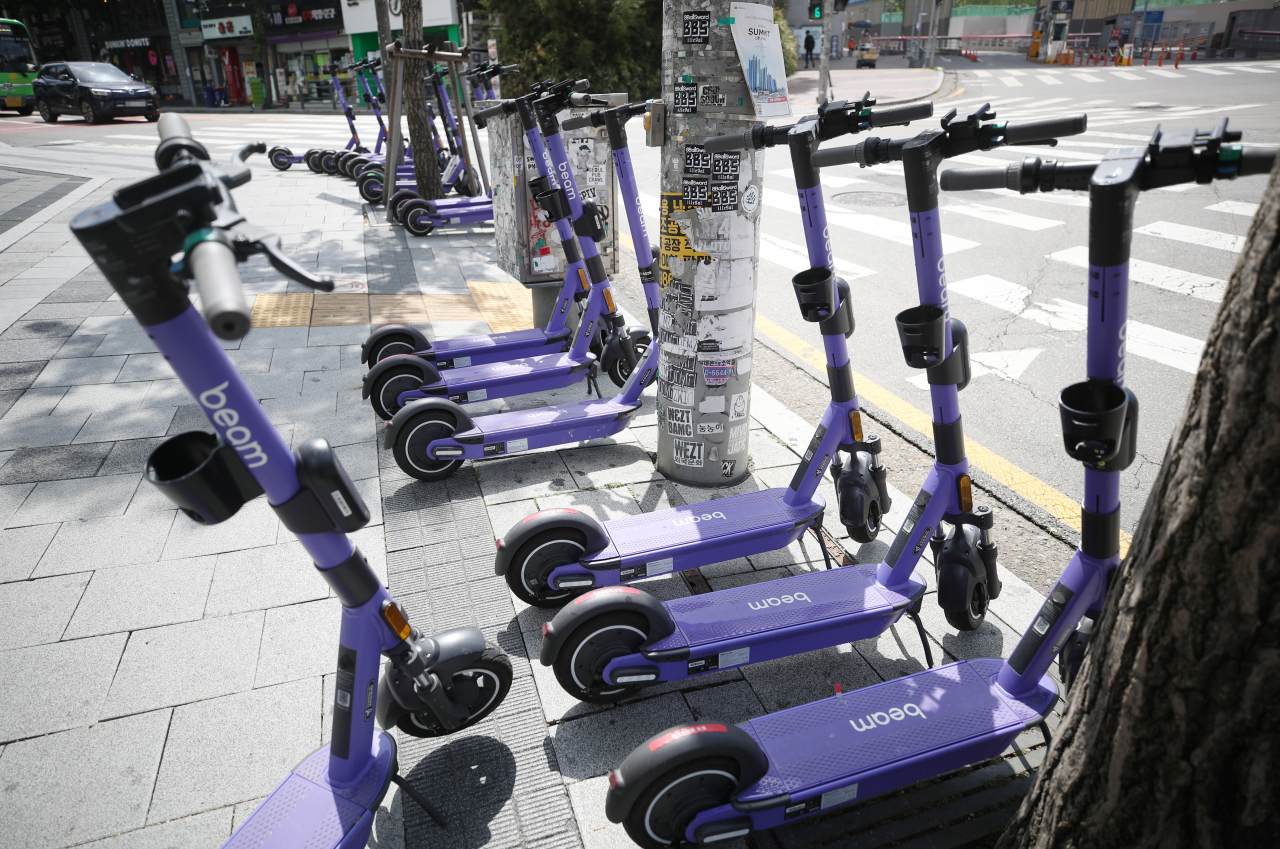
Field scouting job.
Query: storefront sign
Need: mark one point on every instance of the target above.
(126, 43)
(294, 13)
(190, 38)
(237, 26)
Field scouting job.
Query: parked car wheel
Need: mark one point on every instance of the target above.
(153, 117)
(47, 114)
(89, 114)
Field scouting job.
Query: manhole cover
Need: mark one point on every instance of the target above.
(871, 199)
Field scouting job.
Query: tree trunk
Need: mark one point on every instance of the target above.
(384, 32)
(1171, 737)
(425, 166)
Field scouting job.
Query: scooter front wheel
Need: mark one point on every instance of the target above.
(869, 529)
(661, 815)
(310, 158)
(280, 158)
(963, 596)
(481, 687)
(414, 215)
(328, 161)
(410, 448)
(537, 558)
(384, 395)
(397, 200)
(619, 371)
(391, 344)
(579, 666)
(370, 185)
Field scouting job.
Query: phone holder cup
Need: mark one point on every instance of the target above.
(538, 185)
(554, 203)
(922, 331)
(202, 475)
(815, 290)
(1093, 416)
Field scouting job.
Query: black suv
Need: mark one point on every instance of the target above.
(96, 91)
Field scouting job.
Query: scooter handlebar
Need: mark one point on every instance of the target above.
(1258, 159)
(213, 265)
(1043, 129)
(173, 126)
(903, 113)
(730, 141)
(577, 123)
(493, 111)
(970, 179)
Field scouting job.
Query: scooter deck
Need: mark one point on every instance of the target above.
(559, 418)
(885, 736)
(512, 377)
(799, 603)
(459, 350)
(306, 810)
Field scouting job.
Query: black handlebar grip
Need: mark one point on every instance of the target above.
(173, 126)
(729, 141)
(1257, 159)
(903, 113)
(508, 69)
(582, 85)
(492, 111)
(991, 177)
(1042, 129)
(213, 265)
(838, 156)
(578, 123)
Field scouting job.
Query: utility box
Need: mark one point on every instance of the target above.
(528, 245)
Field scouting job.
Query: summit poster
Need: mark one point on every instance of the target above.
(760, 48)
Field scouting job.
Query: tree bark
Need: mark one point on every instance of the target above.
(1171, 736)
(426, 168)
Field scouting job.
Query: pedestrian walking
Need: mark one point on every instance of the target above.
(808, 49)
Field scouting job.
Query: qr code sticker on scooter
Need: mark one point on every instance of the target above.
(688, 453)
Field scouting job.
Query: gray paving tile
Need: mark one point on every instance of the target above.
(176, 664)
(22, 548)
(19, 375)
(79, 346)
(992, 638)
(316, 358)
(733, 702)
(527, 476)
(11, 498)
(350, 335)
(130, 424)
(208, 829)
(8, 397)
(114, 765)
(343, 429)
(600, 504)
(235, 748)
(83, 498)
(144, 367)
(285, 657)
(261, 578)
(133, 341)
(104, 397)
(275, 385)
(80, 371)
(790, 681)
(275, 337)
(338, 380)
(81, 310)
(359, 459)
(32, 707)
(130, 455)
(250, 360)
(110, 325)
(304, 408)
(37, 611)
(593, 745)
(61, 462)
(28, 350)
(243, 811)
(36, 402)
(255, 525)
(40, 329)
(41, 431)
(148, 595)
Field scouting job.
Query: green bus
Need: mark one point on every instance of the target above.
(18, 66)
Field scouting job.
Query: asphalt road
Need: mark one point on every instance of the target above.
(1014, 264)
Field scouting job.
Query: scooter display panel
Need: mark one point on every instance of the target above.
(773, 606)
(891, 734)
(705, 522)
(306, 810)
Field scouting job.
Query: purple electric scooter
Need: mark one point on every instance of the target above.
(712, 781)
(431, 686)
(319, 160)
(399, 380)
(430, 439)
(551, 556)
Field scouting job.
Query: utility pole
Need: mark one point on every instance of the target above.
(710, 243)
(824, 60)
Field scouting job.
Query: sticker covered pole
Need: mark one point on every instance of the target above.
(722, 73)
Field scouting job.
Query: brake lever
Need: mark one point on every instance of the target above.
(249, 240)
(238, 174)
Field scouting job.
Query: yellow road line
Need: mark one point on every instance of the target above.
(1057, 504)
(955, 93)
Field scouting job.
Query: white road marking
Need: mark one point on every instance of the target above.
(1011, 82)
(1125, 75)
(834, 181)
(1141, 340)
(796, 258)
(997, 215)
(1246, 69)
(1005, 364)
(983, 74)
(1088, 78)
(1161, 72)
(1048, 80)
(1077, 199)
(1193, 235)
(1214, 71)
(871, 225)
(1160, 276)
(1235, 207)
(1013, 73)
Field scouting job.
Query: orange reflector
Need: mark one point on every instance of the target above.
(582, 275)
(855, 424)
(608, 300)
(966, 494)
(613, 773)
(546, 626)
(391, 613)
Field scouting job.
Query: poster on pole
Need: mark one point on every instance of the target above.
(759, 45)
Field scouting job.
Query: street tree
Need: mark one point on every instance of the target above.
(1170, 737)
(426, 168)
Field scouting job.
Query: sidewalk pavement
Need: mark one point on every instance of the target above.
(159, 678)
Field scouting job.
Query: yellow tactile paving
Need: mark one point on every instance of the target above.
(505, 306)
(340, 310)
(452, 308)
(396, 309)
(282, 310)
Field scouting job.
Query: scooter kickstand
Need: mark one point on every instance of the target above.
(914, 613)
(420, 799)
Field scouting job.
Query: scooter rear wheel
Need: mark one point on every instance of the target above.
(661, 815)
(413, 215)
(410, 448)
(534, 562)
(580, 664)
(328, 161)
(397, 200)
(370, 185)
(387, 387)
(280, 158)
(482, 686)
(392, 344)
(343, 162)
(310, 159)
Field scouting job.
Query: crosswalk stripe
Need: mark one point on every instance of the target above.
(1048, 80)
(1007, 217)
(1249, 70)
(1235, 207)
(1011, 82)
(1193, 236)
(859, 222)
(1142, 340)
(983, 74)
(1151, 274)
(1161, 72)
(1056, 198)
(1125, 75)
(795, 258)
(1088, 78)
(1214, 71)
(829, 180)
(1014, 73)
